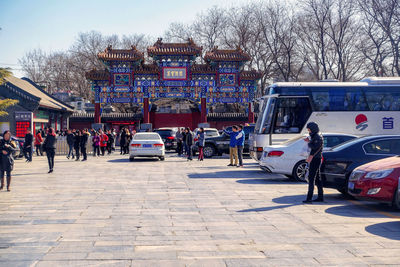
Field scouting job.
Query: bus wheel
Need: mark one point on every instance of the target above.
(299, 171)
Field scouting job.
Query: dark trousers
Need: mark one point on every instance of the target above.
(314, 177)
(179, 148)
(50, 153)
(28, 153)
(39, 150)
(240, 154)
(77, 152)
(189, 151)
(96, 151)
(8, 173)
(185, 149)
(71, 151)
(83, 151)
(122, 148)
(103, 150)
(109, 148)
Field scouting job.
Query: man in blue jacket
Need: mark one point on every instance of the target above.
(232, 145)
(239, 144)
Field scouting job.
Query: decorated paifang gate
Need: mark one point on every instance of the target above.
(173, 73)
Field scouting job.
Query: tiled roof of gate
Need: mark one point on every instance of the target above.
(98, 75)
(227, 55)
(203, 68)
(250, 75)
(189, 48)
(111, 54)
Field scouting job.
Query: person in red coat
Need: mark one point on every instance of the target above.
(103, 142)
(38, 143)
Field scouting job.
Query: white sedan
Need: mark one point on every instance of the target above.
(288, 159)
(146, 145)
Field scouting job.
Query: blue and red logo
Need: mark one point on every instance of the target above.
(362, 122)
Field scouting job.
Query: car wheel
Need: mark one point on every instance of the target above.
(299, 171)
(396, 200)
(162, 158)
(131, 159)
(208, 151)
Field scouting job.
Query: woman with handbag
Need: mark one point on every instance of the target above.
(7, 147)
(314, 160)
(49, 146)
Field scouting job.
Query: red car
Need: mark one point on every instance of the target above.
(377, 181)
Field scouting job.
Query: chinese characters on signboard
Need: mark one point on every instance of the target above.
(170, 73)
(388, 123)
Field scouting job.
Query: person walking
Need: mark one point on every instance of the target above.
(38, 143)
(201, 142)
(128, 138)
(114, 134)
(103, 142)
(70, 142)
(315, 143)
(179, 142)
(83, 143)
(7, 147)
(240, 137)
(49, 146)
(77, 143)
(184, 145)
(96, 144)
(122, 140)
(28, 145)
(110, 142)
(189, 143)
(232, 145)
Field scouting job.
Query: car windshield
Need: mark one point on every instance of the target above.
(164, 133)
(146, 136)
(211, 132)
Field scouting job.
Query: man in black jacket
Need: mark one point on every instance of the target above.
(70, 142)
(314, 161)
(28, 145)
(84, 140)
(49, 146)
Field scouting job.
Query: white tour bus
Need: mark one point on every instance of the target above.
(368, 107)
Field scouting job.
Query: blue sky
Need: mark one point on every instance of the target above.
(53, 24)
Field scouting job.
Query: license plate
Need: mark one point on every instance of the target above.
(147, 145)
(351, 186)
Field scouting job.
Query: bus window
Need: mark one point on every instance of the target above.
(291, 115)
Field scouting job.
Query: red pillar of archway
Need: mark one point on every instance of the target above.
(97, 115)
(146, 113)
(203, 115)
(251, 114)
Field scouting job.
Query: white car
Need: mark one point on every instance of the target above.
(146, 145)
(288, 159)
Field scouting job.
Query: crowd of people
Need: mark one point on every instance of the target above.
(186, 140)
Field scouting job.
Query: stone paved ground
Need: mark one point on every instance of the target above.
(112, 212)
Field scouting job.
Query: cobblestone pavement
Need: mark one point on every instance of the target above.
(112, 212)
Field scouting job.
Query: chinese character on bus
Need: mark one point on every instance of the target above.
(388, 123)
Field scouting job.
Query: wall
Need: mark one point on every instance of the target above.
(175, 120)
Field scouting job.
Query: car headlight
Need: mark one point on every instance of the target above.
(356, 175)
(379, 174)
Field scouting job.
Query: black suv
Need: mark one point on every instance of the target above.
(220, 144)
(168, 135)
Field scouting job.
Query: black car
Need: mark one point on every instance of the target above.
(343, 159)
(168, 135)
(220, 144)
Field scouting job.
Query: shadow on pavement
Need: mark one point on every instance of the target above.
(282, 180)
(235, 173)
(365, 210)
(389, 230)
(294, 200)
